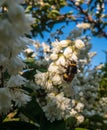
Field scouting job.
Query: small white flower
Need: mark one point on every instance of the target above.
(99, 67)
(57, 107)
(91, 54)
(79, 44)
(54, 56)
(80, 118)
(65, 43)
(57, 79)
(68, 52)
(61, 61)
(28, 50)
(53, 68)
(41, 78)
(20, 97)
(46, 47)
(83, 25)
(49, 86)
(73, 57)
(56, 47)
(81, 94)
(79, 107)
(73, 112)
(16, 81)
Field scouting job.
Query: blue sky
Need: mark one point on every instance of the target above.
(99, 45)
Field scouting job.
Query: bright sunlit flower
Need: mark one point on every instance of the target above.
(54, 56)
(68, 52)
(46, 47)
(61, 61)
(65, 43)
(57, 79)
(41, 78)
(73, 57)
(79, 44)
(83, 25)
(53, 68)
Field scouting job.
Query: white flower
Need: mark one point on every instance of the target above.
(99, 67)
(81, 94)
(57, 107)
(57, 79)
(61, 61)
(20, 97)
(5, 100)
(46, 47)
(80, 118)
(79, 107)
(16, 81)
(28, 50)
(54, 56)
(91, 54)
(41, 78)
(65, 43)
(68, 52)
(51, 112)
(78, 2)
(63, 102)
(73, 57)
(83, 25)
(73, 112)
(53, 68)
(79, 44)
(56, 47)
(49, 86)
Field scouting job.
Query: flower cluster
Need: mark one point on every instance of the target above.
(14, 25)
(86, 85)
(57, 101)
(60, 98)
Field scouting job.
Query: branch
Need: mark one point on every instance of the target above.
(89, 18)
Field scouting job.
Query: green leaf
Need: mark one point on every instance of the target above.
(17, 125)
(80, 129)
(56, 125)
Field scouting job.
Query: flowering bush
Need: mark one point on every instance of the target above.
(54, 88)
(76, 101)
(14, 25)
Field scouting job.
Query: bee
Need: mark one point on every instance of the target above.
(70, 72)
